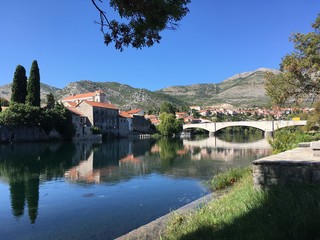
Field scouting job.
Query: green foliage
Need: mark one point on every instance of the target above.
(63, 123)
(167, 107)
(288, 138)
(195, 113)
(33, 86)
(144, 20)
(278, 88)
(313, 123)
(300, 77)
(58, 118)
(50, 101)
(19, 114)
(19, 85)
(282, 212)
(226, 179)
(168, 150)
(169, 125)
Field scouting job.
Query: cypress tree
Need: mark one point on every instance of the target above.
(19, 85)
(33, 86)
(50, 101)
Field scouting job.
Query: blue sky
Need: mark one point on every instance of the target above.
(216, 40)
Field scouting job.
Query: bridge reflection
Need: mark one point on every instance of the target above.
(215, 142)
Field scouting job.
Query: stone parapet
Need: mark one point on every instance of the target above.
(298, 165)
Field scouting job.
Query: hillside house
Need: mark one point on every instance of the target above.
(139, 123)
(105, 116)
(136, 112)
(97, 96)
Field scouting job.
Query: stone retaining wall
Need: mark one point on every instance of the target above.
(25, 134)
(298, 165)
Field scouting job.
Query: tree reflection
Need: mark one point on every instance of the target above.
(168, 150)
(22, 164)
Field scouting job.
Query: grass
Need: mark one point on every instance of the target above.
(291, 212)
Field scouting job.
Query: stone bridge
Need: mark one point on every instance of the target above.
(268, 127)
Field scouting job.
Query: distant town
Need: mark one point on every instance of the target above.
(93, 109)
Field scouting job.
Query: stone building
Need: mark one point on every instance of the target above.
(93, 109)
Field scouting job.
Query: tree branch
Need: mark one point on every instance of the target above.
(103, 17)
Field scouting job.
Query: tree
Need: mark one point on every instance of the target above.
(300, 70)
(50, 101)
(169, 125)
(195, 113)
(278, 88)
(19, 85)
(167, 107)
(144, 21)
(20, 114)
(33, 86)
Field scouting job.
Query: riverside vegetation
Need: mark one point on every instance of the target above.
(290, 212)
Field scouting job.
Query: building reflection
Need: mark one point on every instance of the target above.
(109, 162)
(123, 159)
(25, 166)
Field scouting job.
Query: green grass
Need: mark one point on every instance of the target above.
(291, 212)
(223, 180)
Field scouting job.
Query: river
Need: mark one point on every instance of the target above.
(103, 190)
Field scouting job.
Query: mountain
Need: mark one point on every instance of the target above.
(5, 91)
(121, 95)
(244, 89)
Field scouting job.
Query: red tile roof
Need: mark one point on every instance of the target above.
(134, 111)
(72, 104)
(101, 105)
(75, 111)
(82, 95)
(125, 114)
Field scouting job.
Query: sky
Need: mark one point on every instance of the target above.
(216, 40)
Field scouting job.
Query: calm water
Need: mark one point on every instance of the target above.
(102, 191)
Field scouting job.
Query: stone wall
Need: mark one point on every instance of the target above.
(297, 165)
(266, 174)
(25, 134)
(141, 125)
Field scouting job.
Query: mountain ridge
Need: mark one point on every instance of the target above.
(241, 90)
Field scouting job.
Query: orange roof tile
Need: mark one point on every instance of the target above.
(75, 111)
(79, 96)
(72, 104)
(134, 111)
(101, 105)
(125, 114)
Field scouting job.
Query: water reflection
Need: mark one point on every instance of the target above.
(25, 166)
(121, 160)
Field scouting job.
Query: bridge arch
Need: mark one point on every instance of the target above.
(241, 124)
(266, 126)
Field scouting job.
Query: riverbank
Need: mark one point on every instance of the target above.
(282, 212)
(291, 212)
